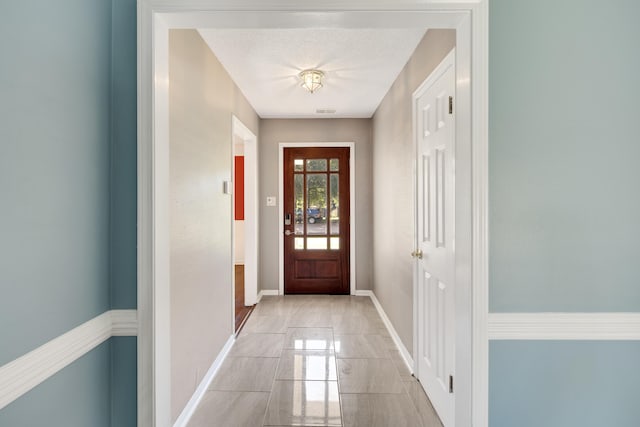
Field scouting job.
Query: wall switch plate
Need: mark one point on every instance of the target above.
(271, 200)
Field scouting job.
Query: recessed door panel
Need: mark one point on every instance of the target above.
(426, 198)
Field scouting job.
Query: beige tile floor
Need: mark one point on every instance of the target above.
(314, 361)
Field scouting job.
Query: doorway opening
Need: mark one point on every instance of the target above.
(155, 19)
(245, 221)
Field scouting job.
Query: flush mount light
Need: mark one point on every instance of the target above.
(311, 79)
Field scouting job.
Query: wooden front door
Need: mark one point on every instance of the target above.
(316, 220)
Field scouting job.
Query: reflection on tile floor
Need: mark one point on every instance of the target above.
(314, 361)
(304, 403)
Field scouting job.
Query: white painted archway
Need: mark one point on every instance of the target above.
(156, 17)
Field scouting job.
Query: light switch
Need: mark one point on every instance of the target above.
(227, 187)
(271, 200)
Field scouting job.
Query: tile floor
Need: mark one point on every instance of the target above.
(314, 361)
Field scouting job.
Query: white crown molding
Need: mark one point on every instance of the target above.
(26, 372)
(564, 326)
(197, 396)
(406, 356)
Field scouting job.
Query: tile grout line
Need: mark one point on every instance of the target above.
(404, 387)
(386, 350)
(335, 355)
(273, 383)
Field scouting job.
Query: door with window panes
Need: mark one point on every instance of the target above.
(316, 220)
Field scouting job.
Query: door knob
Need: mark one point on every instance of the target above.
(417, 254)
(288, 233)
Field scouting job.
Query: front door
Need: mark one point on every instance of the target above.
(435, 237)
(316, 220)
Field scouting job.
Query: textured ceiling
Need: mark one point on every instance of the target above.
(359, 65)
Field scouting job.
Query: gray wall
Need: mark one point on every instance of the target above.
(393, 155)
(275, 131)
(67, 179)
(202, 100)
(564, 204)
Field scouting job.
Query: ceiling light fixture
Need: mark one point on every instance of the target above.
(311, 79)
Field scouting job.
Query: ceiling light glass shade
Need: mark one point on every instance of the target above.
(311, 79)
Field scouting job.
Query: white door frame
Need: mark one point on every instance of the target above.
(157, 17)
(251, 211)
(352, 207)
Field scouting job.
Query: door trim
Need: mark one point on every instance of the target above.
(352, 207)
(155, 18)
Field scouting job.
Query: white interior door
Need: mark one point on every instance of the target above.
(434, 121)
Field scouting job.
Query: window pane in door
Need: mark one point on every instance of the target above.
(334, 164)
(298, 165)
(316, 203)
(335, 243)
(298, 192)
(316, 165)
(334, 217)
(298, 243)
(316, 243)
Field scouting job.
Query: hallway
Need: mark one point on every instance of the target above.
(314, 360)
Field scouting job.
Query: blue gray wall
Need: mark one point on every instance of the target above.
(67, 179)
(77, 396)
(564, 150)
(54, 169)
(564, 383)
(564, 204)
(123, 206)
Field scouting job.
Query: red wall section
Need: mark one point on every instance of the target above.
(238, 188)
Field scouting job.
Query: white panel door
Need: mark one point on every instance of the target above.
(434, 121)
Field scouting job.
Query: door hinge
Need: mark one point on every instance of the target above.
(451, 105)
(450, 383)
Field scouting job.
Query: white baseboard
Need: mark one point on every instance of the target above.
(366, 293)
(197, 396)
(26, 372)
(564, 326)
(406, 356)
(267, 292)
